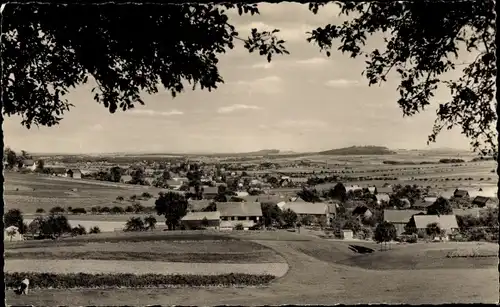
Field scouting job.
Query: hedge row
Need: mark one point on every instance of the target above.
(83, 280)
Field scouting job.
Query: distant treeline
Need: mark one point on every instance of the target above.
(391, 162)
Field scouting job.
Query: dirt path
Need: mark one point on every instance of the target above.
(309, 281)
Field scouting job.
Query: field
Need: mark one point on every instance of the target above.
(320, 272)
(29, 192)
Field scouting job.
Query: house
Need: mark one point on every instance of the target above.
(460, 193)
(12, 233)
(201, 220)
(447, 223)
(362, 212)
(233, 213)
(74, 173)
(210, 192)
(198, 205)
(399, 218)
(483, 201)
(302, 208)
(353, 188)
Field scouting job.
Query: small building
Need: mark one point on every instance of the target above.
(28, 163)
(483, 201)
(400, 218)
(447, 223)
(347, 234)
(461, 193)
(174, 184)
(201, 220)
(12, 233)
(382, 198)
(125, 179)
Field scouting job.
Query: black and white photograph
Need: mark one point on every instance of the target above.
(249, 154)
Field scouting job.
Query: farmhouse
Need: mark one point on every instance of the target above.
(460, 193)
(483, 201)
(246, 213)
(28, 164)
(399, 218)
(199, 220)
(302, 208)
(447, 223)
(74, 173)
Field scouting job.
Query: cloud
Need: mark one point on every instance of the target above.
(312, 61)
(302, 123)
(156, 113)
(236, 107)
(341, 83)
(266, 85)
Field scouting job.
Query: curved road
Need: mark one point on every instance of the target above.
(309, 281)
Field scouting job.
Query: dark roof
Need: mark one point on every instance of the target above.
(481, 200)
(460, 193)
(28, 162)
(422, 204)
(210, 190)
(359, 210)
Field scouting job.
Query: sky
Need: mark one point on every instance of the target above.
(302, 102)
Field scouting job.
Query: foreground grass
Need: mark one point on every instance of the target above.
(252, 257)
(82, 280)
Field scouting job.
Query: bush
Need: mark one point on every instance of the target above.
(104, 210)
(95, 209)
(146, 195)
(78, 231)
(95, 229)
(120, 198)
(117, 210)
(40, 210)
(57, 209)
(83, 280)
(129, 209)
(138, 208)
(79, 211)
(134, 224)
(239, 226)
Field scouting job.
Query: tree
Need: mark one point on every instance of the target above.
(338, 192)
(433, 230)
(309, 195)
(289, 217)
(239, 226)
(78, 231)
(221, 194)
(271, 214)
(150, 222)
(9, 158)
(440, 207)
(173, 206)
(384, 232)
(14, 217)
(426, 35)
(138, 176)
(115, 174)
(39, 165)
(212, 207)
(134, 224)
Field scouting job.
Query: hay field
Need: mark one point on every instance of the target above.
(28, 192)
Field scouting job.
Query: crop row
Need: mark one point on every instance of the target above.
(82, 280)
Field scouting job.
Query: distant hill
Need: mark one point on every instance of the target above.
(358, 151)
